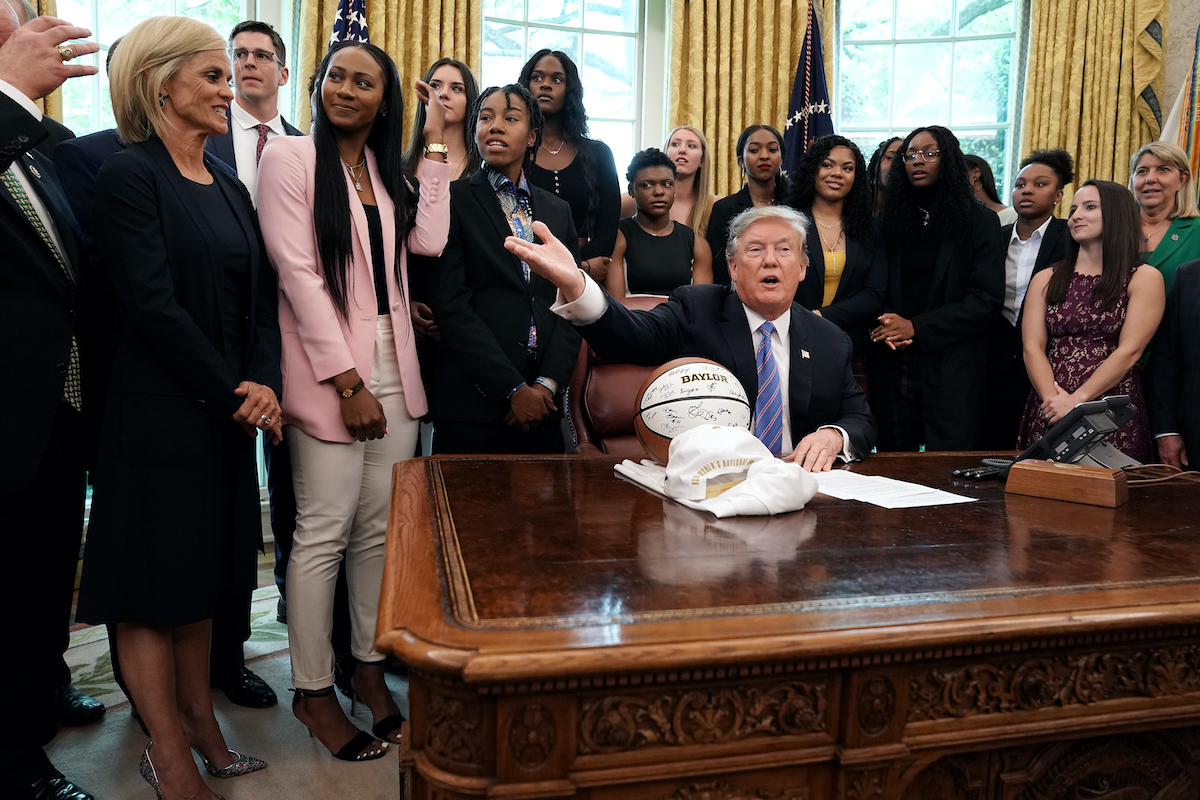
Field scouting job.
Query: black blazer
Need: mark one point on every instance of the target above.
(482, 305)
(966, 295)
(858, 301)
(717, 234)
(40, 309)
(1052, 250)
(222, 146)
(709, 321)
(1173, 380)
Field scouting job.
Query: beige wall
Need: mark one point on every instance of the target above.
(1182, 21)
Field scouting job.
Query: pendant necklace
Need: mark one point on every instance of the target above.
(554, 152)
(353, 174)
(925, 220)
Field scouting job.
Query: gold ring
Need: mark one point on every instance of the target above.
(66, 52)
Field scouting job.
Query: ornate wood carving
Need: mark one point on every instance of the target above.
(723, 791)
(706, 716)
(876, 704)
(532, 736)
(1118, 768)
(455, 733)
(865, 785)
(1060, 680)
(951, 778)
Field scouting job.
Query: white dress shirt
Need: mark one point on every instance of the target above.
(245, 142)
(1018, 269)
(592, 304)
(34, 198)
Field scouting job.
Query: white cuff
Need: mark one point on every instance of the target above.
(587, 308)
(20, 99)
(846, 455)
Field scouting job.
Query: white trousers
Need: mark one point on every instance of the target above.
(342, 494)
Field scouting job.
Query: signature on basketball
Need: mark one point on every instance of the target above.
(700, 412)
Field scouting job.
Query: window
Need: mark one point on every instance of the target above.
(602, 37)
(86, 105)
(904, 64)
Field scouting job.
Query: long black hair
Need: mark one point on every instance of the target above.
(952, 202)
(331, 205)
(416, 142)
(875, 184)
(856, 208)
(986, 179)
(1119, 240)
(573, 123)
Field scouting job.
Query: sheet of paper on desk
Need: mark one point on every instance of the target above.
(880, 491)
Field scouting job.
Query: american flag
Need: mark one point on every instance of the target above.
(351, 22)
(809, 112)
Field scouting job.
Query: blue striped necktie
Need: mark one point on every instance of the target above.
(768, 411)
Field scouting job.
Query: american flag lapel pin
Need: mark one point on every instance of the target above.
(35, 172)
(804, 354)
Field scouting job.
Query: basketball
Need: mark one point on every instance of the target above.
(682, 394)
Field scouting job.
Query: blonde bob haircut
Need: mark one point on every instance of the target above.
(1185, 198)
(702, 193)
(148, 57)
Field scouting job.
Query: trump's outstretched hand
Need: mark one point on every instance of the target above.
(552, 260)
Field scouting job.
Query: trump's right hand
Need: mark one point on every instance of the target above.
(552, 260)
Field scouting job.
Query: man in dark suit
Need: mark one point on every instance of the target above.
(43, 267)
(259, 59)
(1173, 381)
(824, 411)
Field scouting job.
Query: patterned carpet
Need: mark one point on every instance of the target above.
(91, 663)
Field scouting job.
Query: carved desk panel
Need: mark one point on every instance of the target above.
(572, 635)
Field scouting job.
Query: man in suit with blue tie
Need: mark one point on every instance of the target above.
(43, 423)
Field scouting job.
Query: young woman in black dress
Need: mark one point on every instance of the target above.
(760, 154)
(654, 253)
(569, 164)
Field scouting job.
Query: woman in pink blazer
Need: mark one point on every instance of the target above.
(339, 219)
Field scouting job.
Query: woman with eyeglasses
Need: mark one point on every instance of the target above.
(340, 218)
(567, 163)
(845, 280)
(760, 152)
(945, 288)
(1165, 190)
(1089, 318)
(881, 162)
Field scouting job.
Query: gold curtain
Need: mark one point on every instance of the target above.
(51, 104)
(732, 65)
(414, 33)
(1096, 71)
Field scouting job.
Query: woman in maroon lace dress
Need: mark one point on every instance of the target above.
(1087, 320)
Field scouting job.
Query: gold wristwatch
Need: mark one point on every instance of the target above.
(353, 390)
(437, 147)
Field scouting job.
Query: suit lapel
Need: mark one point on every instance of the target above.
(1172, 240)
(854, 262)
(54, 202)
(800, 378)
(489, 205)
(740, 341)
(1054, 234)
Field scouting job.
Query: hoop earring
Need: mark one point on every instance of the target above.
(161, 102)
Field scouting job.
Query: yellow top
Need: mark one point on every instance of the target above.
(835, 263)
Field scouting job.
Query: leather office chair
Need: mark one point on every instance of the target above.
(600, 399)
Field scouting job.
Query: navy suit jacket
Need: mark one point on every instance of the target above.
(222, 146)
(709, 321)
(40, 309)
(1173, 382)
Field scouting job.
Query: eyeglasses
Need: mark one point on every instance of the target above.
(260, 56)
(927, 155)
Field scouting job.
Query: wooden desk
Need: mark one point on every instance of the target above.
(571, 634)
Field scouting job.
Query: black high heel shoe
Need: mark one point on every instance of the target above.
(384, 728)
(353, 750)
